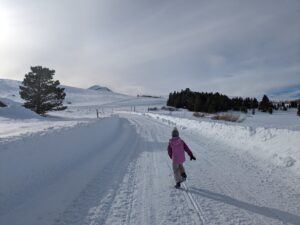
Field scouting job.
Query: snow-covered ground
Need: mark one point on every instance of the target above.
(71, 168)
(279, 119)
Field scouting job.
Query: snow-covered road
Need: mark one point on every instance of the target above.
(223, 186)
(116, 171)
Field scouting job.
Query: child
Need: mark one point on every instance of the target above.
(176, 150)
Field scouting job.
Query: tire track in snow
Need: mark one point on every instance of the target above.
(80, 210)
(195, 204)
(189, 197)
(181, 209)
(236, 215)
(120, 211)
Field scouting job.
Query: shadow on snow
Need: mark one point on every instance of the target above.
(261, 210)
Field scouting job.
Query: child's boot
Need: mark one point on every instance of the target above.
(177, 185)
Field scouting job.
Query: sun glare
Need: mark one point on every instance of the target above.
(5, 25)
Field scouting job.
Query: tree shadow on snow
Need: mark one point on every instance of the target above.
(276, 214)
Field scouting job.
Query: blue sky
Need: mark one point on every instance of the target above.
(239, 48)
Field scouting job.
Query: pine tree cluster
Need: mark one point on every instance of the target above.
(209, 102)
(293, 104)
(40, 92)
(298, 113)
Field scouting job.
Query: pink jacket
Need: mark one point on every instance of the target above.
(176, 150)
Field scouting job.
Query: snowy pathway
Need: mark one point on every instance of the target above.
(116, 171)
(223, 187)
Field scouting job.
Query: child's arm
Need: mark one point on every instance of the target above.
(188, 151)
(170, 151)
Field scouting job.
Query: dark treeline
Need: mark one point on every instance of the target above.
(209, 102)
(294, 103)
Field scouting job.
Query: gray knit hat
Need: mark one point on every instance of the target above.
(175, 132)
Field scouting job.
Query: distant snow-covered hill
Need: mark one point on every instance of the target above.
(9, 89)
(95, 95)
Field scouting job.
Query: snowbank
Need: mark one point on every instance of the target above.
(280, 146)
(18, 112)
(15, 110)
(18, 122)
(10, 89)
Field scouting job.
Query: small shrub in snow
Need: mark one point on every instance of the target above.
(227, 117)
(169, 108)
(2, 104)
(197, 114)
(148, 96)
(152, 109)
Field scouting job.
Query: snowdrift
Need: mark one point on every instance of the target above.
(280, 146)
(10, 89)
(15, 110)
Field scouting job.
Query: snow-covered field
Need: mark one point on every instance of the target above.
(71, 168)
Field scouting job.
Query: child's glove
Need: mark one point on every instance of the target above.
(193, 157)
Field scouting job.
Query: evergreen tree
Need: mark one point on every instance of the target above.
(40, 92)
(177, 101)
(198, 104)
(170, 100)
(298, 113)
(265, 104)
(191, 102)
(254, 103)
(293, 104)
